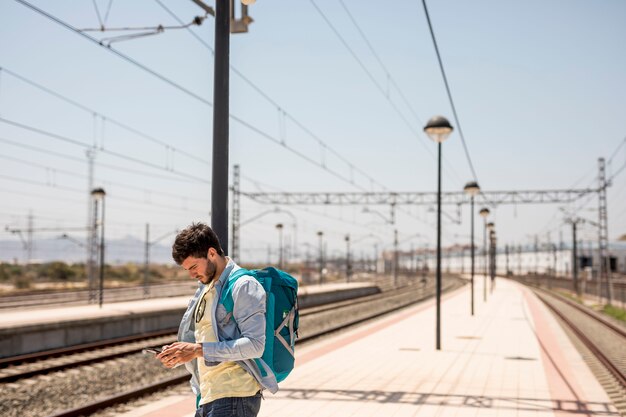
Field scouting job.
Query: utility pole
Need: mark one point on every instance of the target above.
(320, 234)
(536, 254)
(348, 265)
(236, 214)
(395, 257)
(603, 232)
(492, 263)
(575, 258)
(146, 287)
(506, 252)
(219, 192)
(91, 230)
(29, 235)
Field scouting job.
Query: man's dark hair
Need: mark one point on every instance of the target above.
(195, 241)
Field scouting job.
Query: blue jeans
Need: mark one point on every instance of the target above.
(231, 407)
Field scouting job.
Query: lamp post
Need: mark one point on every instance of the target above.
(471, 189)
(484, 212)
(279, 227)
(438, 129)
(98, 196)
(320, 234)
(348, 265)
(492, 253)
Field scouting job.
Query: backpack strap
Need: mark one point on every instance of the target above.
(226, 294)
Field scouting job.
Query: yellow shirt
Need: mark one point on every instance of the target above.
(227, 379)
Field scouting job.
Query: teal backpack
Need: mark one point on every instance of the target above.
(281, 315)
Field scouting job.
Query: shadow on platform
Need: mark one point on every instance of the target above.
(450, 400)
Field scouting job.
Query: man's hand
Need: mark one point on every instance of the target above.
(179, 353)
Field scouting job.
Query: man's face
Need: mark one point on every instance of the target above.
(202, 269)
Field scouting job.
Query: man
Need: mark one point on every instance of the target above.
(225, 379)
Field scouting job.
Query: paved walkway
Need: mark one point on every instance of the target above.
(510, 359)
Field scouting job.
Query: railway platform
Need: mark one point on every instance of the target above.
(37, 328)
(510, 359)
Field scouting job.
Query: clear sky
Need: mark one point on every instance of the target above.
(539, 87)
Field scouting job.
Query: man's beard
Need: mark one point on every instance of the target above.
(209, 273)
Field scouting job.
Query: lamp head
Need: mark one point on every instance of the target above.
(484, 212)
(491, 226)
(438, 129)
(279, 226)
(471, 188)
(98, 193)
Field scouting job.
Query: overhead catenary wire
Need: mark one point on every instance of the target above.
(82, 161)
(275, 104)
(81, 191)
(75, 174)
(188, 92)
(416, 133)
(447, 85)
(103, 116)
(382, 64)
(84, 145)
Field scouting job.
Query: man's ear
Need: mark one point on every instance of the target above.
(209, 254)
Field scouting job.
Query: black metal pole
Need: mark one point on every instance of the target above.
(321, 258)
(472, 249)
(146, 290)
(395, 257)
(439, 248)
(348, 266)
(575, 260)
(101, 256)
(485, 259)
(219, 192)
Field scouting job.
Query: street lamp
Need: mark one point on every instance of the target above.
(492, 235)
(279, 227)
(484, 212)
(348, 266)
(472, 189)
(321, 235)
(438, 129)
(98, 196)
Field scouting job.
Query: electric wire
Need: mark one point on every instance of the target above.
(103, 116)
(183, 89)
(82, 161)
(274, 103)
(84, 145)
(422, 141)
(445, 80)
(381, 63)
(114, 51)
(80, 191)
(74, 174)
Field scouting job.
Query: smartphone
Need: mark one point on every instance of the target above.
(153, 350)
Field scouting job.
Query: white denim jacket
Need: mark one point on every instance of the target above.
(240, 334)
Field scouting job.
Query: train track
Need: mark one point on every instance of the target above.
(600, 342)
(80, 297)
(314, 323)
(313, 319)
(27, 366)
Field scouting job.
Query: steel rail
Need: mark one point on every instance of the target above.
(121, 398)
(617, 329)
(597, 352)
(47, 354)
